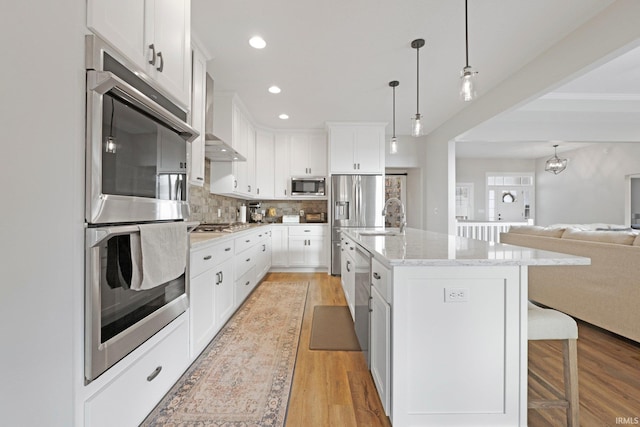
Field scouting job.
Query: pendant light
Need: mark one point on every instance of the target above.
(467, 77)
(417, 127)
(393, 147)
(555, 164)
(110, 141)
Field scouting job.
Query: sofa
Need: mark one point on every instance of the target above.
(605, 293)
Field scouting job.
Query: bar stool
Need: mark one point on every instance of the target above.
(548, 324)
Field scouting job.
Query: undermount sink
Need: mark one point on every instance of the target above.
(379, 233)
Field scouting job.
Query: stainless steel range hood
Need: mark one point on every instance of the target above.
(214, 148)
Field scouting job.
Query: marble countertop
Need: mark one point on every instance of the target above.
(425, 248)
(202, 238)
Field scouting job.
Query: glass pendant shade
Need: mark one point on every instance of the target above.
(555, 164)
(393, 147)
(468, 85)
(110, 145)
(417, 129)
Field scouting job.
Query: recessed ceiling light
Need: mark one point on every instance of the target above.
(274, 89)
(283, 116)
(257, 42)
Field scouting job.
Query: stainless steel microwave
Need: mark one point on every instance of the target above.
(308, 186)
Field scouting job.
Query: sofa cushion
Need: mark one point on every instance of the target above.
(616, 237)
(536, 230)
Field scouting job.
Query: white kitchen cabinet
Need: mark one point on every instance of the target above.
(198, 93)
(130, 396)
(279, 246)
(307, 246)
(348, 274)
(380, 345)
(308, 154)
(282, 174)
(265, 164)
(263, 256)
(153, 34)
(210, 292)
(356, 148)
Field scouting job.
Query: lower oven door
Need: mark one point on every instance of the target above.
(118, 319)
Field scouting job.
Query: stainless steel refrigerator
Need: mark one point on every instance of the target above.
(356, 202)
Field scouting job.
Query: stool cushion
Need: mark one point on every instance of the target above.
(548, 324)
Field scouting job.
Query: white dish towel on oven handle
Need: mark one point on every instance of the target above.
(158, 254)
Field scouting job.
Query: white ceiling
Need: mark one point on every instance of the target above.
(334, 59)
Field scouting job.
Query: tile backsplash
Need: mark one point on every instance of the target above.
(205, 206)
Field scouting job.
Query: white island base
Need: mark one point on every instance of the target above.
(464, 362)
(449, 327)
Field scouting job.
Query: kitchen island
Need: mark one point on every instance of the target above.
(448, 326)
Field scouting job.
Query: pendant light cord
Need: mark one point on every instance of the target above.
(466, 32)
(418, 80)
(111, 124)
(394, 111)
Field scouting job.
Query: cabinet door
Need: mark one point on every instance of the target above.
(349, 277)
(380, 346)
(265, 166)
(316, 253)
(282, 175)
(168, 27)
(342, 143)
(369, 149)
(251, 160)
(299, 155)
(224, 293)
(317, 154)
(279, 246)
(121, 23)
(297, 251)
(203, 316)
(198, 83)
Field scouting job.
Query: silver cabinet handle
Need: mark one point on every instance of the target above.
(249, 188)
(227, 249)
(218, 280)
(247, 284)
(161, 66)
(235, 183)
(285, 192)
(248, 259)
(264, 248)
(154, 374)
(247, 241)
(376, 276)
(348, 264)
(199, 178)
(258, 190)
(307, 231)
(354, 166)
(153, 54)
(221, 277)
(207, 258)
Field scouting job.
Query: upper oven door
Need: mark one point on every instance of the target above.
(136, 149)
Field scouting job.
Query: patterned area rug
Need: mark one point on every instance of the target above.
(243, 377)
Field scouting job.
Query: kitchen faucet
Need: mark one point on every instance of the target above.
(403, 216)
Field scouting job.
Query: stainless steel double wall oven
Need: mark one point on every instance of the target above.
(136, 173)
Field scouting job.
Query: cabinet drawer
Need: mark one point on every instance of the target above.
(129, 398)
(244, 285)
(205, 258)
(381, 279)
(244, 261)
(248, 240)
(307, 230)
(263, 234)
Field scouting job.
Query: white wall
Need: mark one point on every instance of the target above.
(604, 36)
(41, 220)
(593, 187)
(407, 155)
(475, 171)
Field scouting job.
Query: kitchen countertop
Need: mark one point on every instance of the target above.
(202, 238)
(425, 248)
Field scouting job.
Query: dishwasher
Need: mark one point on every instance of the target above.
(362, 298)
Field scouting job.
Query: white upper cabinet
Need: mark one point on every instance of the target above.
(281, 173)
(154, 34)
(196, 159)
(308, 154)
(356, 148)
(265, 164)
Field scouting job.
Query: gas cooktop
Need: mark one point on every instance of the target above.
(222, 227)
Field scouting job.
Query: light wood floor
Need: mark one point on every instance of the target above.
(334, 388)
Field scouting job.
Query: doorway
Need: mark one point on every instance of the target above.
(509, 197)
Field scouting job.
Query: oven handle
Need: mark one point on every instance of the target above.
(102, 82)
(95, 236)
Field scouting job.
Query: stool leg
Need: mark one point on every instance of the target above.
(570, 360)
